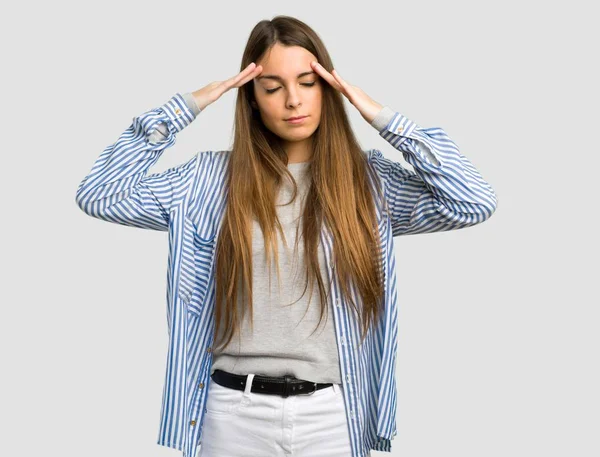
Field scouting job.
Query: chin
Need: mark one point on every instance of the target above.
(297, 136)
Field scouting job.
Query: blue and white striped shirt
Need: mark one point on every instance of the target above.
(445, 192)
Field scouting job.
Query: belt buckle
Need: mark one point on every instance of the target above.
(312, 391)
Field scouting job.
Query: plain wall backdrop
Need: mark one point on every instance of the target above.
(498, 332)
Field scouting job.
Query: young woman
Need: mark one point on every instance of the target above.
(295, 202)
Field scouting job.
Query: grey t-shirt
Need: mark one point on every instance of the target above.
(281, 341)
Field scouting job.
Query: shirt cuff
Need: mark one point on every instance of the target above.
(161, 132)
(383, 118)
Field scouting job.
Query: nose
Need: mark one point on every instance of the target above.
(293, 99)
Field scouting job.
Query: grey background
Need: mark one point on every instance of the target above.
(498, 340)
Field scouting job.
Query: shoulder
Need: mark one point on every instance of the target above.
(209, 161)
(213, 157)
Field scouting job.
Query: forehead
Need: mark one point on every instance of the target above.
(286, 61)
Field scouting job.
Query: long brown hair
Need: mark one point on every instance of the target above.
(339, 194)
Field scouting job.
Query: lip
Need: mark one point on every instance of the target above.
(296, 120)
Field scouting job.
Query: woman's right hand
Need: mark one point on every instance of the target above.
(211, 93)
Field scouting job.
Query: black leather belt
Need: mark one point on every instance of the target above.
(284, 386)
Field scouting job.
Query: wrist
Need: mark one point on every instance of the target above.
(383, 118)
(374, 109)
(200, 102)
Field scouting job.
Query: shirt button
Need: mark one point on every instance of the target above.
(399, 129)
(177, 111)
(338, 302)
(342, 340)
(192, 423)
(348, 377)
(201, 385)
(352, 414)
(209, 350)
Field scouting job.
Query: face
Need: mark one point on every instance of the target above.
(288, 87)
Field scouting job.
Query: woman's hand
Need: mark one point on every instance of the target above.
(367, 107)
(213, 91)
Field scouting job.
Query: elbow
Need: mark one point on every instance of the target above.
(489, 205)
(81, 204)
(83, 200)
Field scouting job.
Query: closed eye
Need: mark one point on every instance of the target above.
(270, 91)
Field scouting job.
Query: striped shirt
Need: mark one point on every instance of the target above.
(444, 192)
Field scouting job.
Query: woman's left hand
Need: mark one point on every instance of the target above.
(367, 107)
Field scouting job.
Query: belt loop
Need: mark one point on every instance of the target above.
(247, 389)
(335, 388)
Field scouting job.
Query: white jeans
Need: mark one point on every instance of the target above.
(250, 424)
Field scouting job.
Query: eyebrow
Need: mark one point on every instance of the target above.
(279, 78)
